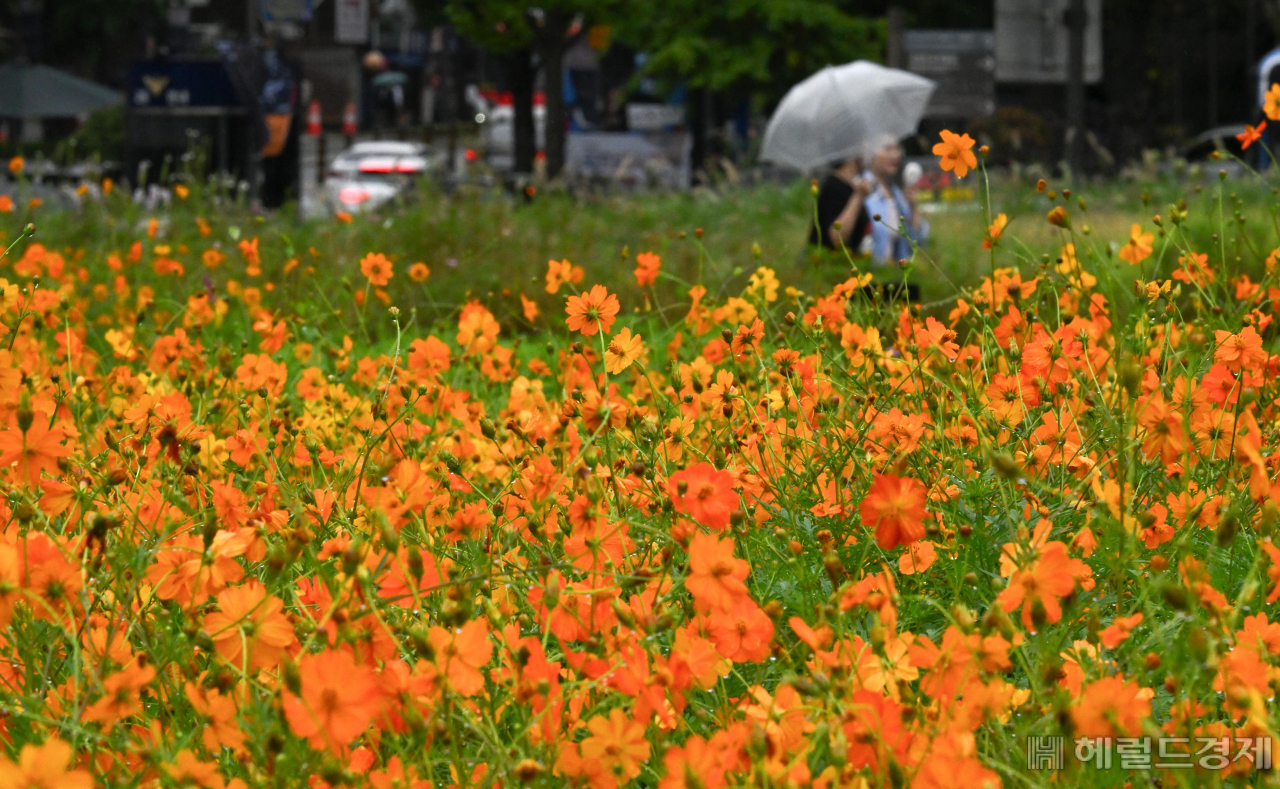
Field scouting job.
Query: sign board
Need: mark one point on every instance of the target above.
(351, 21)
(1032, 41)
(654, 117)
(286, 10)
(179, 84)
(963, 64)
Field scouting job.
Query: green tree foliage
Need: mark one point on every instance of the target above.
(83, 35)
(758, 45)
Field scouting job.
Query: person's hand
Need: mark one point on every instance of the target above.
(862, 187)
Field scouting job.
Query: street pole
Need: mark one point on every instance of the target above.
(1076, 22)
(897, 23)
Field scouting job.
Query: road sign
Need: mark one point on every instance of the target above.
(963, 64)
(351, 22)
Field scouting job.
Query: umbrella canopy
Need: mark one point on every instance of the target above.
(35, 91)
(838, 112)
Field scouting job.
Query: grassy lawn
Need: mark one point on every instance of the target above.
(490, 246)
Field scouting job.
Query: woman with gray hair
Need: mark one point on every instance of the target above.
(896, 224)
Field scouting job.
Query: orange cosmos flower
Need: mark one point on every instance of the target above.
(222, 729)
(377, 269)
(747, 338)
(419, 272)
(188, 770)
(956, 152)
(1251, 135)
(1112, 707)
(715, 578)
(477, 329)
(894, 508)
(874, 730)
(35, 449)
(338, 699)
(592, 312)
(43, 767)
(11, 572)
(16, 165)
(460, 653)
(1194, 269)
(529, 307)
(743, 633)
(1237, 352)
(623, 349)
(705, 493)
(617, 743)
(249, 628)
(1139, 247)
(1273, 570)
(918, 557)
(1119, 630)
(1271, 103)
(6, 204)
(1039, 586)
(995, 231)
(560, 272)
(647, 266)
(121, 695)
(250, 251)
(695, 765)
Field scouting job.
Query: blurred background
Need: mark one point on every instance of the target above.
(334, 104)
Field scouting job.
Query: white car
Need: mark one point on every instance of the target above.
(498, 134)
(369, 174)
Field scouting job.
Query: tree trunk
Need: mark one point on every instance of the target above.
(1075, 86)
(522, 76)
(696, 110)
(552, 64)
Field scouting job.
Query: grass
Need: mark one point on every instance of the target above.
(488, 245)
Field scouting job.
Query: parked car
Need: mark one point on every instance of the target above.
(370, 174)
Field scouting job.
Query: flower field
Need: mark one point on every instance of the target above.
(745, 537)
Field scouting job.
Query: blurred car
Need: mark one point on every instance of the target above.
(370, 174)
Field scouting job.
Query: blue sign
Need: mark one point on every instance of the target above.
(177, 84)
(287, 10)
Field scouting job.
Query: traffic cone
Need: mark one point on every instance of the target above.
(349, 120)
(313, 118)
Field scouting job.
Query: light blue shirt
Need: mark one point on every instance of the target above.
(886, 244)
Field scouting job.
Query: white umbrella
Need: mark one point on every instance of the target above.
(838, 112)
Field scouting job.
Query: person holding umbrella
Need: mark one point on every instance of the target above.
(896, 221)
(842, 221)
(858, 109)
